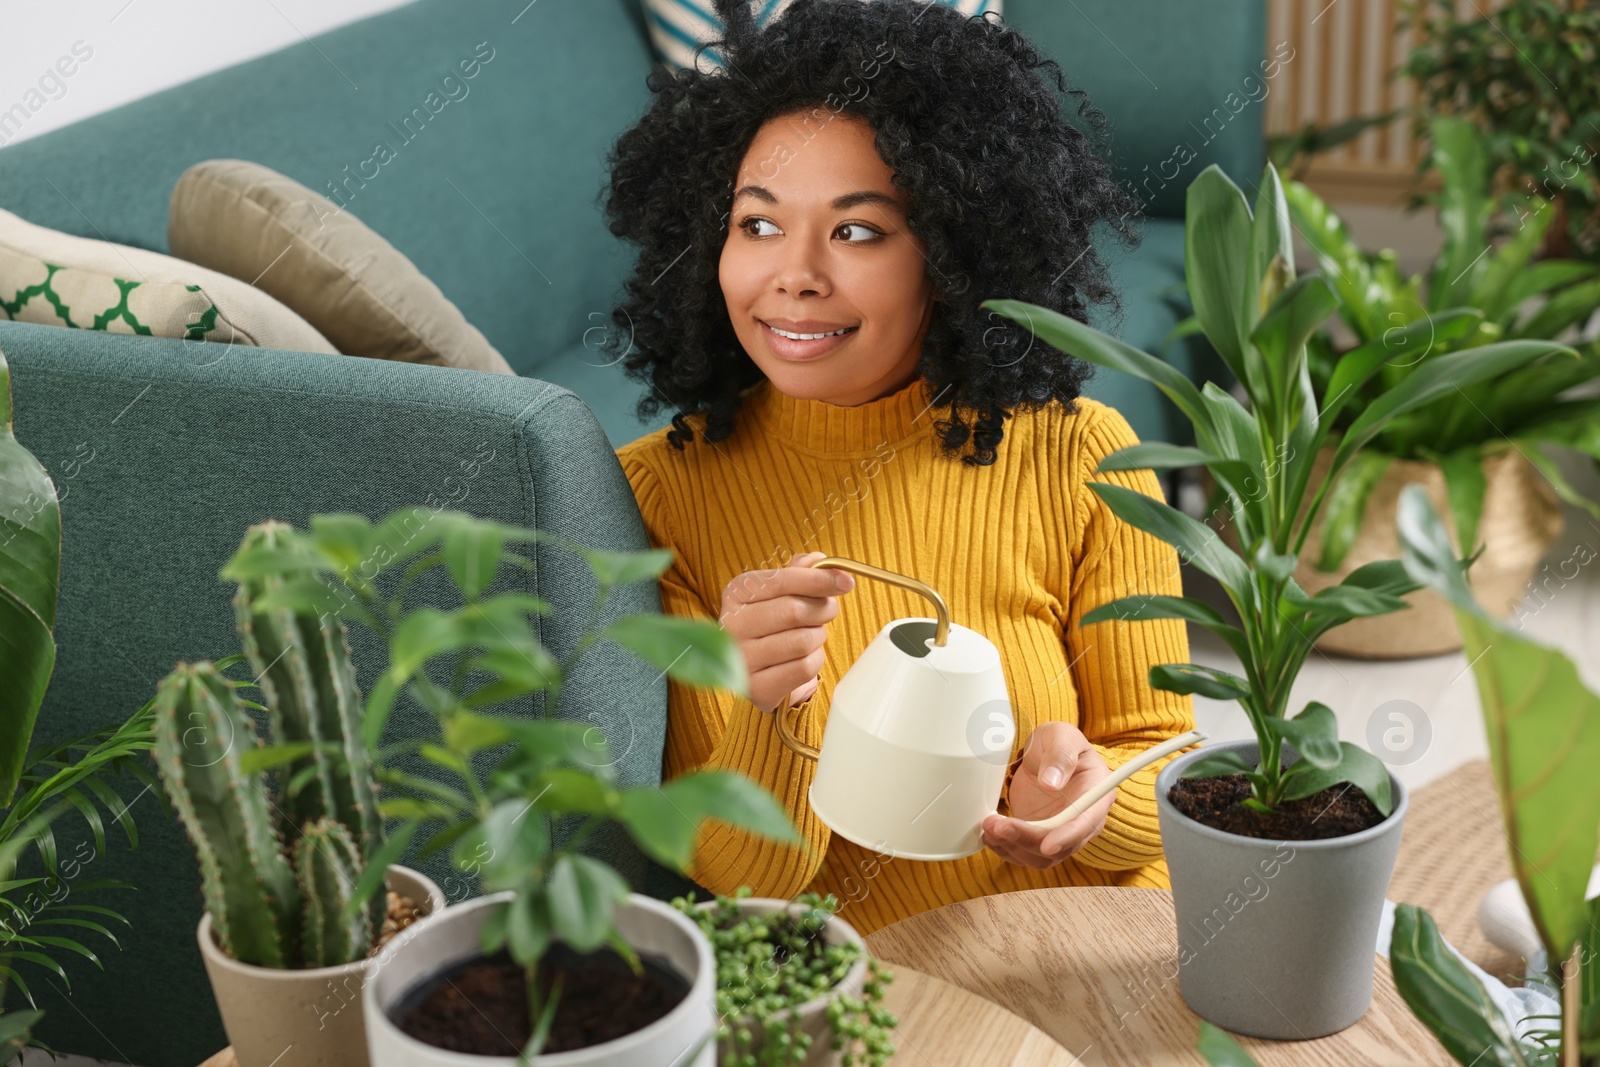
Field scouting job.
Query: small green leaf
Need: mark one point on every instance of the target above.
(694, 651)
(1314, 733)
(1356, 765)
(1219, 1049)
(1217, 764)
(1193, 678)
(1345, 508)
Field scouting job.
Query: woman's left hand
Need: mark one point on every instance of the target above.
(1058, 766)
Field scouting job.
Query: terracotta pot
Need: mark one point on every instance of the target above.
(681, 1038)
(1521, 520)
(300, 1018)
(813, 1014)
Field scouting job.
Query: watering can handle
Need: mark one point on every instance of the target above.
(866, 570)
(1116, 778)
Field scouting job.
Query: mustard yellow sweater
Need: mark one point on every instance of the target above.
(1020, 551)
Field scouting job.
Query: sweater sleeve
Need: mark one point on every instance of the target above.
(717, 728)
(1119, 711)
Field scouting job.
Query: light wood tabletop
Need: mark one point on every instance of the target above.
(1093, 968)
(941, 1025)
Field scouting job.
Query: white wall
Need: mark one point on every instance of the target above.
(137, 47)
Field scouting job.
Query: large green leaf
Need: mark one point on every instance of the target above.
(1435, 378)
(1503, 264)
(1404, 345)
(1281, 334)
(1364, 303)
(30, 572)
(1195, 541)
(693, 651)
(1445, 996)
(1346, 506)
(1089, 344)
(1216, 257)
(1568, 307)
(663, 819)
(1464, 211)
(1465, 485)
(1544, 737)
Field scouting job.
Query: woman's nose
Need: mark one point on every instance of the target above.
(800, 270)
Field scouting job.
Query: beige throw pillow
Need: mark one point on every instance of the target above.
(249, 221)
(59, 279)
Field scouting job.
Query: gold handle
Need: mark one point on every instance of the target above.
(866, 570)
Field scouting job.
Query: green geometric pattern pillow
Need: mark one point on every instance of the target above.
(678, 27)
(58, 279)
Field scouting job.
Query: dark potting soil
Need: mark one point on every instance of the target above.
(1218, 802)
(480, 1005)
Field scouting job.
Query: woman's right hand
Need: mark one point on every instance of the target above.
(778, 618)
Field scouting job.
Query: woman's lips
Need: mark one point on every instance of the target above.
(789, 348)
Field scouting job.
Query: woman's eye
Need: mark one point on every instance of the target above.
(868, 230)
(747, 225)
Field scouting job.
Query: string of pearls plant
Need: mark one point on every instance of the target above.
(767, 964)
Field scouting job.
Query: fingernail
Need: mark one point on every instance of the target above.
(1052, 778)
(843, 582)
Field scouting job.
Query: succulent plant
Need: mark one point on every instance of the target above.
(278, 867)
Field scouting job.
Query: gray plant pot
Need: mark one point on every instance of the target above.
(1275, 938)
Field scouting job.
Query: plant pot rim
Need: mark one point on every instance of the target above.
(851, 935)
(640, 1038)
(1173, 771)
(213, 954)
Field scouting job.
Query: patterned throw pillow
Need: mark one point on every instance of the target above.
(58, 279)
(677, 27)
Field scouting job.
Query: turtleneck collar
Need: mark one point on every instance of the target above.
(818, 426)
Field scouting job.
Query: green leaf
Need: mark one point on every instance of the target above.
(1356, 765)
(623, 568)
(1346, 505)
(1544, 276)
(1387, 576)
(1556, 477)
(1447, 998)
(1464, 211)
(1086, 343)
(528, 925)
(663, 820)
(1543, 726)
(1142, 608)
(1217, 261)
(1219, 1049)
(694, 651)
(30, 569)
(1282, 332)
(471, 552)
(1363, 300)
(1154, 455)
(1196, 542)
(582, 893)
(1218, 764)
(567, 789)
(1464, 486)
(1194, 678)
(1502, 264)
(371, 880)
(1436, 377)
(1314, 733)
(1403, 346)
(1568, 307)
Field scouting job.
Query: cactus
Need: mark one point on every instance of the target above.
(327, 865)
(202, 733)
(309, 686)
(277, 870)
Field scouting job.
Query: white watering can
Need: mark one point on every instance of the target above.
(919, 735)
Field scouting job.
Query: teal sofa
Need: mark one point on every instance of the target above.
(164, 452)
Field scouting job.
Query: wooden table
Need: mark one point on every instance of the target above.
(1085, 965)
(941, 1025)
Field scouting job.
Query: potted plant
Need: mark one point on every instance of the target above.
(289, 924)
(560, 956)
(1482, 450)
(1244, 823)
(1544, 738)
(795, 985)
(1535, 102)
(39, 783)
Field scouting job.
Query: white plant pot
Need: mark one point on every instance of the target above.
(813, 1014)
(300, 1018)
(684, 1037)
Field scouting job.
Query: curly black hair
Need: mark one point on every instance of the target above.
(1003, 188)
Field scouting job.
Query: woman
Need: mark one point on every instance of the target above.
(818, 226)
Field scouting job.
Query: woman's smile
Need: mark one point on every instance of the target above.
(804, 344)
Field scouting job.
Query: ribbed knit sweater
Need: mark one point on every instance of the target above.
(1020, 550)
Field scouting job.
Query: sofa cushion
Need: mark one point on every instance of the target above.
(57, 279)
(249, 221)
(677, 27)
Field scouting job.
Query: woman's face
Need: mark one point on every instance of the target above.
(818, 242)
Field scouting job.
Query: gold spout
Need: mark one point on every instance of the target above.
(866, 570)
